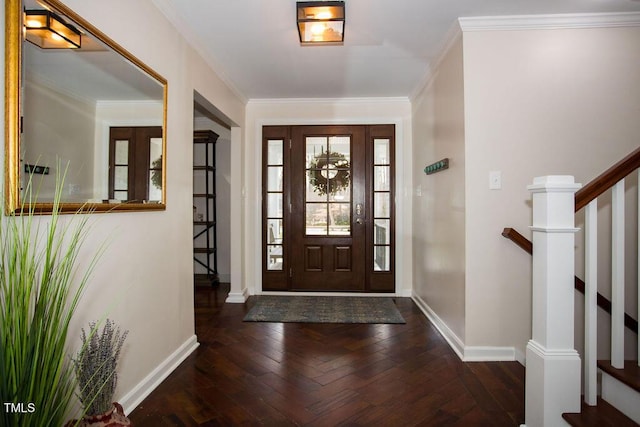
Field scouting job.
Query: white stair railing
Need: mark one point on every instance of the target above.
(617, 287)
(617, 275)
(553, 365)
(590, 303)
(591, 289)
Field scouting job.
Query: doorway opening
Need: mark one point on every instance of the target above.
(328, 208)
(211, 195)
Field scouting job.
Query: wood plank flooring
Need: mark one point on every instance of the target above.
(275, 374)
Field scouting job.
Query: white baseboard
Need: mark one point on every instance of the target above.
(329, 294)
(237, 297)
(454, 342)
(489, 354)
(405, 293)
(468, 353)
(132, 399)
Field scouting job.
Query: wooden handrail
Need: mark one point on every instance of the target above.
(607, 179)
(518, 239)
(583, 197)
(605, 304)
(602, 301)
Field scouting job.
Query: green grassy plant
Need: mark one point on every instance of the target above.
(40, 288)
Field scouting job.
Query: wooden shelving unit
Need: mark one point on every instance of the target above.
(204, 228)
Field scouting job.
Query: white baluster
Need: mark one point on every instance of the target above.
(553, 366)
(590, 303)
(617, 275)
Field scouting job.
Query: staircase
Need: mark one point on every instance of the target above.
(554, 378)
(619, 404)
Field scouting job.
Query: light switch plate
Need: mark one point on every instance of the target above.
(495, 180)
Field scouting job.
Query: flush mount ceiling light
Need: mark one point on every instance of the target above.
(48, 31)
(321, 22)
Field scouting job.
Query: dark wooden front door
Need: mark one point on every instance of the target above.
(328, 208)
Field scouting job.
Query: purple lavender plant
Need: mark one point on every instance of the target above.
(95, 366)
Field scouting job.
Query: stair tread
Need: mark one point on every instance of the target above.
(630, 375)
(603, 415)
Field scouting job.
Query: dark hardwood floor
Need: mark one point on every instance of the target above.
(289, 374)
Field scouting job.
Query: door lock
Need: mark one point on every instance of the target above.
(358, 209)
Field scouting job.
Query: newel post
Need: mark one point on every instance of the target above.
(553, 365)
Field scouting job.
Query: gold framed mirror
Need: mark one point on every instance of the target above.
(78, 104)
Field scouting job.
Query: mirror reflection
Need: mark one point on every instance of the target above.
(90, 107)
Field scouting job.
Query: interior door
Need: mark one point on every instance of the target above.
(328, 208)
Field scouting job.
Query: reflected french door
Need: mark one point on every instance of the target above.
(135, 163)
(328, 208)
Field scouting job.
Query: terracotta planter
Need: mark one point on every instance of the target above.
(114, 417)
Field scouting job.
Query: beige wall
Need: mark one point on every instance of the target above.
(144, 280)
(47, 141)
(526, 103)
(439, 199)
(223, 194)
(537, 102)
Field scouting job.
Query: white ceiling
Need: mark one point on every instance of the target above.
(253, 44)
(92, 73)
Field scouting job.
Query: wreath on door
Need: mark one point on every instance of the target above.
(156, 173)
(329, 173)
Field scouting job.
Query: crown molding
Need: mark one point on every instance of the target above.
(182, 27)
(39, 81)
(452, 36)
(372, 100)
(550, 22)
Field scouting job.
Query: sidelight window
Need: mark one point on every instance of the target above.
(381, 205)
(155, 169)
(121, 170)
(275, 204)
